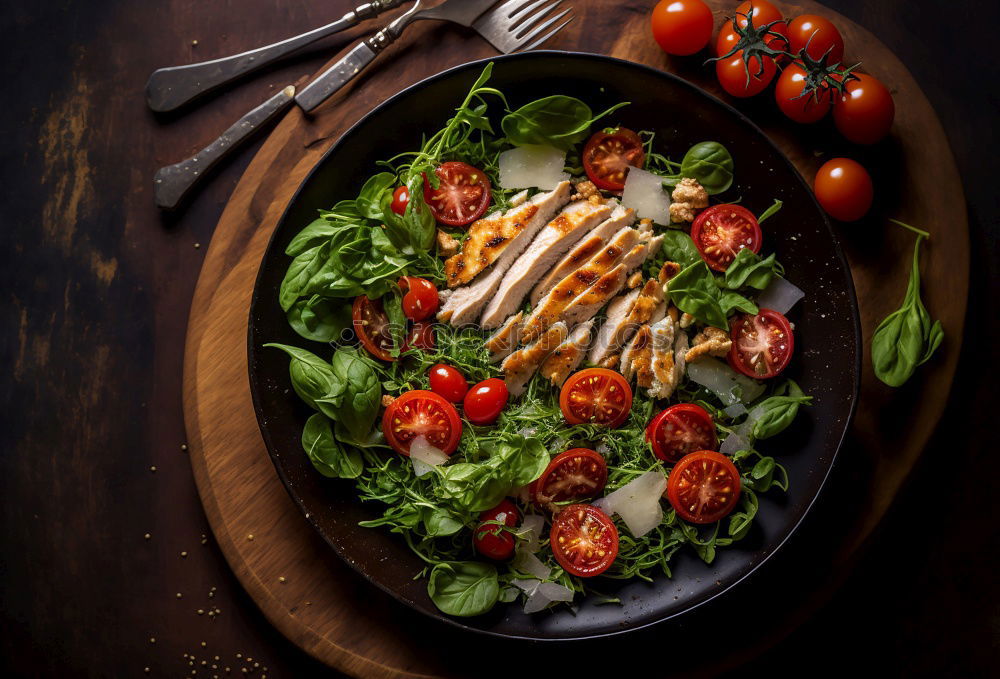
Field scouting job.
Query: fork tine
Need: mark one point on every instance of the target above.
(525, 36)
(547, 35)
(523, 27)
(524, 9)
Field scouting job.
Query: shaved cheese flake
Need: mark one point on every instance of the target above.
(735, 410)
(531, 530)
(545, 594)
(424, 456)
(724, 382)
(780, 296)
(638, 502)
(532, 166)
(644, 193)
(526, 586)
(526, 562)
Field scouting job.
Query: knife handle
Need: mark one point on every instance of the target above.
(173, 183)
(171, 88)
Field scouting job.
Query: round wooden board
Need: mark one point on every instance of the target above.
(322, 605)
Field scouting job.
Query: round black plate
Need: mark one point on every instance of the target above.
(827, 330)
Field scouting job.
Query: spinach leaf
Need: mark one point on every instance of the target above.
(302, 269)
(678, 247)
(439, 522)
(473, 487)
(370, 199)
(710, 163)
(362, 392)
(464, 588)
(748, 269)
(557, 120)
(313, 379)
(360, 260)
(778, 412)
(695, 291)
(415, 230)
(906, 338)
(327, 455)
(320, 319)
(317, 233)
(522, 458)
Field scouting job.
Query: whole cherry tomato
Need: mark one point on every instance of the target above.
(864, 113)
(682, 27)
(844, 189)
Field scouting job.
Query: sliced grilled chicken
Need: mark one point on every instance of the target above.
(503, 235)
(567, 355)
(669, 347)
(626, 314)
(585, 306)
(522, 364)
(504, 340)
(584, 250)
(549, 245)
(637, 358)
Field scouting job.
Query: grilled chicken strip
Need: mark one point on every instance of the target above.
(549, 245)
(567, 355)
(504, 340)
(522, 364)
(584, 250)
(669, 347)
(625, 314)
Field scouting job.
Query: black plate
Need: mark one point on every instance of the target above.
(827, 330)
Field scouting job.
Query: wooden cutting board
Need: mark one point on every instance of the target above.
(326, 608)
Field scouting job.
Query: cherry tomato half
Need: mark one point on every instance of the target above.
(485, 401)
(762, 344)
(420, 297)
(448, 382)
(732, 74)
(421, 413)
(400, 199)
(420, 336)
(584, 540)
(703, 487)
(788, 94)
(492, 541)
(819, 34)
(371, 325)
(721, 231)
(607, 156)
(596, 395)
(681, 429)
(573, 475)
(844, 188)
(864, 113)
(462, 196)
(681, 27)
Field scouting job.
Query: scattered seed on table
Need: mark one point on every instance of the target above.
(197, 245)
(184, 554)
(184, 447)
(178, 595)
(281, 578)
(250, 537)
(153, 469)
(147, 536)
(152, 640)
(201, 611)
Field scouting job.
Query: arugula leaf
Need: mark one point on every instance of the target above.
(320, 319)
(392, 303)
(327, 455)
(313, 379)
(695, 291)
(464, 588)
(777, 412)
(678, 247)
(710, 163)
(771, 211)
(748, 269)
(740, 522)
(558, 120)
(362, 393)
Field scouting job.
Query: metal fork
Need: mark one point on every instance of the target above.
(511, 26)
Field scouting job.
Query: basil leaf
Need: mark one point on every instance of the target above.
(439, 522)
(327, 455)
(464, 588)
(320, 319)
(523, 459)
(369, 200)
(779, 411)
(557, 120)
(473, 487)
(695, 291)
(362, 393)
(710, 163)
(748, 269)
(678, 247)
(312, 378)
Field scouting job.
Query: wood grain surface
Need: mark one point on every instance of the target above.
(234, 474)
(97, 285)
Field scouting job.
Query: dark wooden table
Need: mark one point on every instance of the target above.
(107, 562)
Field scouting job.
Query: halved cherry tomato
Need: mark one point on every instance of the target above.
(864, 113)
(732, 74)
(420, 297)
(681, 27)
(420, 336)
(844, 188)
(681, 429)
(819, 34)
(584, 540)
(492, 541)
(762, 344)
(703, 487)
(462, 196)
(400, 199)
(608, 155)
(721, 231)
(573, 475)
(371, 325)
(421, 413)
(448, 382)
(596, 396)
(485, 401)
(808, 108)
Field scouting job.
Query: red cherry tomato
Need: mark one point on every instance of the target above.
(485, 401)
(421, 336)
(762, 344)
(763, 13)
(596, 395)
(420, 297)
(809, 108)
(421, 413)
(703, 487)
(462, 196)
(400, 199)
(573, 475)
(682, 27)
(371, 325)
(844, 188)
(584, 540)
(681, 429)
(492, 541)
(819, 34)
(608, 155)
(864, 113)
(732, 75)
(448, 382)
(721, 231)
